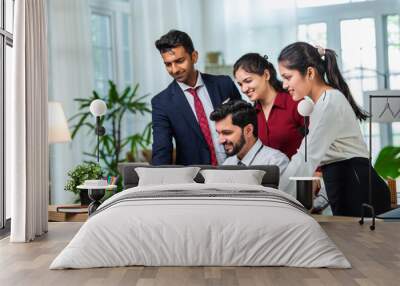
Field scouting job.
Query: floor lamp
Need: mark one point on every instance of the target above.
(58, 130)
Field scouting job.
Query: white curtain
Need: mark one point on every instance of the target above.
(70, 77)
(27, 147)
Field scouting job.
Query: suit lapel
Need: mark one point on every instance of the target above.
(212, 89)
(180, 102)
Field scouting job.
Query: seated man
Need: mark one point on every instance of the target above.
(236, 125)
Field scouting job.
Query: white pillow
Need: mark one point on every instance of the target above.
(166, 176)
(248, 177)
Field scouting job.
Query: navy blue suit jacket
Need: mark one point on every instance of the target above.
(174, 118)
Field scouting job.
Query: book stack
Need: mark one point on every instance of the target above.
(68, 213)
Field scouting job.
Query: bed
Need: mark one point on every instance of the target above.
(201, 224)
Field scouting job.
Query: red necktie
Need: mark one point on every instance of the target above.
(203, 122)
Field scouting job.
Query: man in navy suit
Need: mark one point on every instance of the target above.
(182, 110)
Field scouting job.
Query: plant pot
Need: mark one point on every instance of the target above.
(84, 198)
(213, 57)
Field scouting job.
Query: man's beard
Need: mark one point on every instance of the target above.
(236, 147)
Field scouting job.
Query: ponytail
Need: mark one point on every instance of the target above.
(336, 80)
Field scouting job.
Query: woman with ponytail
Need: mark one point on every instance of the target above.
(335, 141)
(279, 124)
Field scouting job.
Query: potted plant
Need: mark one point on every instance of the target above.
(112, 144)
(387, 165)
(78, 175)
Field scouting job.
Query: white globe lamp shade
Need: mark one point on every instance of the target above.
(305, 107)
(98, 107)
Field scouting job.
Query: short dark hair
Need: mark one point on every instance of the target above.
(173, 39)
(243, 113)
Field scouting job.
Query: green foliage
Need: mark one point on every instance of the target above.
(112, 144)
(82, 172)
(388, 162)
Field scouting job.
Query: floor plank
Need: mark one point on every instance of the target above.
(374, 255)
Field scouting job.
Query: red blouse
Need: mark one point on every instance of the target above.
(285, 125)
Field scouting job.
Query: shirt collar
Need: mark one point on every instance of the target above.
(199, 83)
(280, 101)
(251, 153)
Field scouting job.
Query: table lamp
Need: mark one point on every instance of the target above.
(58, 129)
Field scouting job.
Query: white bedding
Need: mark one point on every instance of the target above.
(183, 231)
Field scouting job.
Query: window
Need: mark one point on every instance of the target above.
(102, 51)
(126, 51)
(359, 56)
(6, 43)
(9, 15)
(111, 46)
(313, 3)
(393, 42)
(111, 42)
(393, 60)
(396, 133)
(360, 67)
(314, 34)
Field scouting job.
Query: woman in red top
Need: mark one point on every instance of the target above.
(280, 126)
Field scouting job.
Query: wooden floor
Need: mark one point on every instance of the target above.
(374, 255)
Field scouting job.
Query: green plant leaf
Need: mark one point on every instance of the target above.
(387, 163)
(80, 173)
(79, 125)
(125, 93)
(77, 115)
(95, 96)
(86, 100)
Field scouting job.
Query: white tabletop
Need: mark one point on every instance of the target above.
(108, 187)
(304, 178)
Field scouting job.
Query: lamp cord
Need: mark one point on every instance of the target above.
(98, 138)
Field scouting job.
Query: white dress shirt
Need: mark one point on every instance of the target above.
(260, 154)
(208, 108)
(334, 135)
